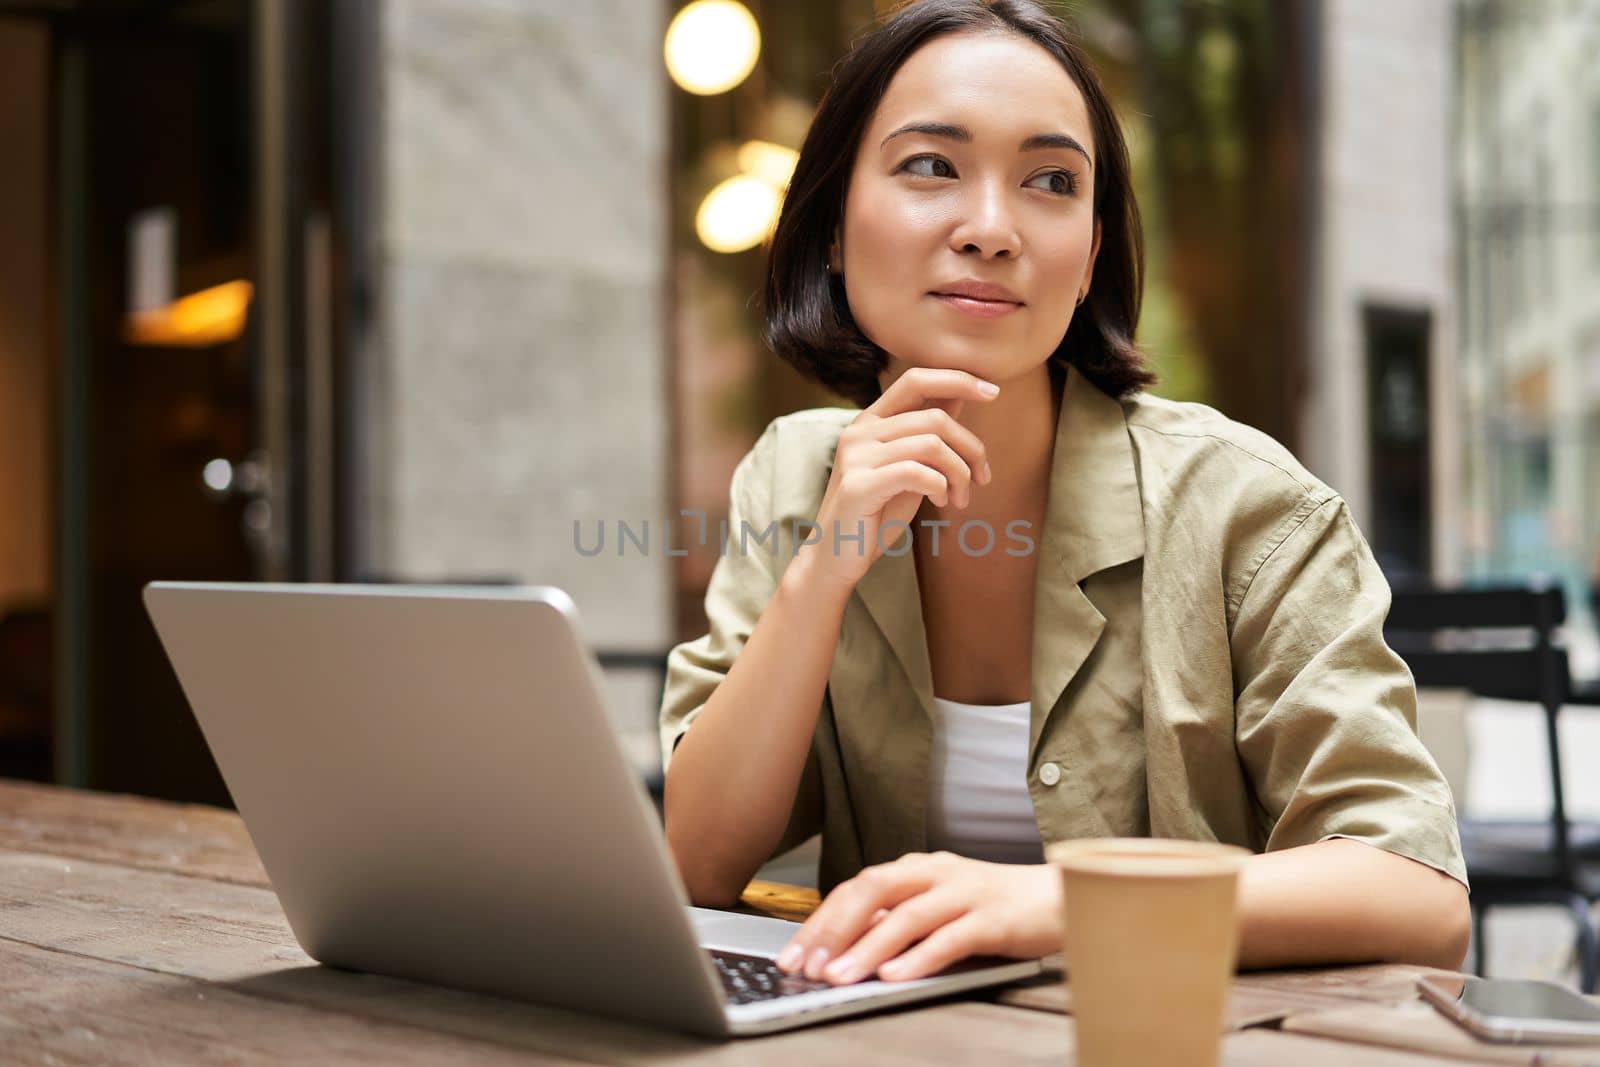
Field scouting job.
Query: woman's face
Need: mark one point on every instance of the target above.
(969, 177)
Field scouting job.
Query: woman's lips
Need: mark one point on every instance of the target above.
(980, 309)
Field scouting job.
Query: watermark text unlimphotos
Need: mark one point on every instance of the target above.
(974, 537)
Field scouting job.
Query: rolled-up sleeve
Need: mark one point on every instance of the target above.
(741, 584)
(1325, 711)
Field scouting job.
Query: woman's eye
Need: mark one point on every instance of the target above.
(932, 162)
(1061, 182)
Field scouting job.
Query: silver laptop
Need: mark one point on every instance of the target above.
(437, 793)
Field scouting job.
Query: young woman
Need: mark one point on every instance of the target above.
(1015, 599)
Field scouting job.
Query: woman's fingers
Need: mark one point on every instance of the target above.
(966, 936)
(941, 424)
(919, 385)
(847, 913)
(910, 922)
(875, 487)
(872, 486)
(931, 450)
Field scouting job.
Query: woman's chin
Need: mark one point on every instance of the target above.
(984, 363)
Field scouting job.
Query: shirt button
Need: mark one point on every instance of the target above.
(1049, 774)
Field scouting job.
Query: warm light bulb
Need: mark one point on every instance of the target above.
(737, 214)
(219, 310)
(772, 163)
(210, 317)
(712, 46)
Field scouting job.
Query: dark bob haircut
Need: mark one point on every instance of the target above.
(808, 321)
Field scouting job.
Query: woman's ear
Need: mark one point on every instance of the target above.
(1088, 271)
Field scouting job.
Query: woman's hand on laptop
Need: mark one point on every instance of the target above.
(916, 916)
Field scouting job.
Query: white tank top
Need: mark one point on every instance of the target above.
(979, 804)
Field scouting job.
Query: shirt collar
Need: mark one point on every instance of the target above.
(1094, 519)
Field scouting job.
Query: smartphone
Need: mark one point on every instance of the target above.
(1514, 1009)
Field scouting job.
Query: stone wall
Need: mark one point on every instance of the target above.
(1386, 230)
(517, 379)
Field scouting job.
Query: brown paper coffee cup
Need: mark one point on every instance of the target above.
(1151, 941)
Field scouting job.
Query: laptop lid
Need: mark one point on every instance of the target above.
(436, 793)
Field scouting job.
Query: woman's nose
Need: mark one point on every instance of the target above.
(987, 226)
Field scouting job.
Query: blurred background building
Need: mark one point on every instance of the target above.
(1379, 399)
(442, 290)
(304, 291)
(1527, 271)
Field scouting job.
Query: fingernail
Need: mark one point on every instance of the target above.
(814, 965)
(988, 475)
(789, 958)
(988, 389)
(842, 969)
(892, 969)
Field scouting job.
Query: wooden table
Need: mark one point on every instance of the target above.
(137, 931)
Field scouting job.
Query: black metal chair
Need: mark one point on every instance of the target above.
(1499, 643)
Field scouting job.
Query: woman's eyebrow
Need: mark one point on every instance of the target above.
(964, 136)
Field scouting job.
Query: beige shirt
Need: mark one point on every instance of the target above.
(1208, 658)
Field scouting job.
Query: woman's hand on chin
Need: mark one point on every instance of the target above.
(921, 913)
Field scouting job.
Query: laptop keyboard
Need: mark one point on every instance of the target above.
(748, 979)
